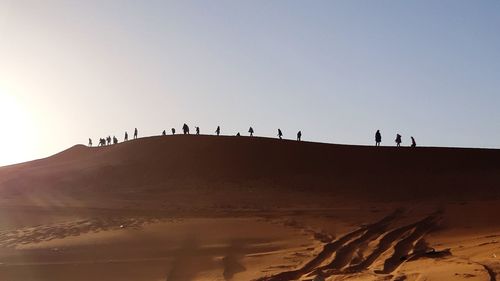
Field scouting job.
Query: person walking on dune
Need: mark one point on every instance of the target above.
(173, 131)
(299, 136)
(378, 138)
(185, 129)
(126, 136)
(280, 134)
(108, 140)
(164, 133)
(90, 142)
(251, 131)
(398, 140)
(217, 131)
(135, 133)
(413, 142)
(197, 130)
(115, 140)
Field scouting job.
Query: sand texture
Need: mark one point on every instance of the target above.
(185, 208)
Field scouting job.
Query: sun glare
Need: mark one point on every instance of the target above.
(16, 138)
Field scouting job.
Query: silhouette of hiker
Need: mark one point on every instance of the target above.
(102, 142)
(378, 138)
(108, 139)
(185, 129)
(217, 131)
(299, 136)
(126, 136)
(173, 131)
(398, 140)
(413, 142)
(251, 131)
(90, 142)
(135, 133)
(164, 133)
(238, 134)
(280, 134)
(197, 130)
(115, 140)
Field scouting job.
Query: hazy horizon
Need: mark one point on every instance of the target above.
(336, 70)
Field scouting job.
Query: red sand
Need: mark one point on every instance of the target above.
(333, 196)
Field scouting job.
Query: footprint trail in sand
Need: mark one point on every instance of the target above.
(344, 255)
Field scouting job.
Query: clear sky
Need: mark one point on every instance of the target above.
(337, 70)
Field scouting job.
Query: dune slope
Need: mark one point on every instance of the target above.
(241, 171)
(183, 208)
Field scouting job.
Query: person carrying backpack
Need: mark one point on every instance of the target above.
(398, 140)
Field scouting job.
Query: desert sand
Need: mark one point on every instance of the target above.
(181, 208)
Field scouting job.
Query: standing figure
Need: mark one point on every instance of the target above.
(173, 131)
(126, 136)
(115, 140)
(299, 136)
(135, 133)
(108, 139)
(217, 131)
(378, 138)
(197, 130)
(90, 142)
(185, 129)
(251, 131)
(238, 134)
(413, 142)
(398, 140)
(280, 134)
(164, 133)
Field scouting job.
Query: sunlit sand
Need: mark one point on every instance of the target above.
(240, 208)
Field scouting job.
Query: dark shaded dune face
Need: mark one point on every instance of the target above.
(207, 171)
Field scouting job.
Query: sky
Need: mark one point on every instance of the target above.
(336, 70)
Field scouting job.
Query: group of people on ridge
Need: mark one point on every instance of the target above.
(185, 130)
(107, 140)
(378, 139)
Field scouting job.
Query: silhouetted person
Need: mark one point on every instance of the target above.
(280, 134)
(115, 140)
(102, 142)
(251, 131)
(164, 133)
(378, 138)
(173, 131)
(217, 131)
(413, 142)
(90, 142)
(238, 134)
(108, 139)
(299, 136)
(185, 129)
(197, 130)
(398, 140)
(126, 136)
(135, 133)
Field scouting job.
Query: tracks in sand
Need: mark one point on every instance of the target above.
(346, 253)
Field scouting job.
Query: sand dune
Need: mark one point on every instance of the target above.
(240, 208)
